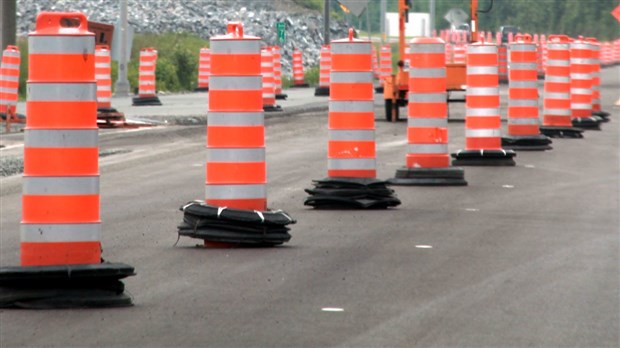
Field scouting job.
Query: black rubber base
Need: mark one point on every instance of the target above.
(272, 108)
(281, 96)
(379, 89)
(234, 226)
(604, 115)
(301, 85)
(201, 89)
(587, 123)
(526, 142)
(445, 176)
(351, 193)
(321, 91)
(143, 101)
(498, 158)
(65, 286)
(562, 132)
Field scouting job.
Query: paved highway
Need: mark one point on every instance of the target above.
(522, 256)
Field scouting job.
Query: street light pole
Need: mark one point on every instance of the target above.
(8, 26)
(122, 84)
(326, 22)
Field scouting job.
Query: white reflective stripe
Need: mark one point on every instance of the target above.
(556, 112)
(427, 148)
(523, 47)
(557, 62)
(103, 100)
(481, 49)
(482, 91)
(41, 233)
(523, 84)
(351, 77)
(427, 122)
(426, 48)
(522, 102)
(351, 48)
(11, 53)
(580, 76)
(558, 46)
(235, 119)
(421, 72)
(102, 53)
(75, 185)
(102, 65)
(584, 91)
(9, 78)
(61, 44)
(482, 133)
(102, 76)
(235, 46)
(579, 61)
(482, 112)
(104, 88)
(351, 135)
(61, 138)
(8, 90)
(351, 106)
(561, 96)
(523, 121)
(235, 191)
(147, 64)
(557, 79)
(9, 66)
(235, 155)
(482, 70)
(523, 66)
(579, 46)
(351, 163)
(235, 82)
(86, 91)
(580, 106)
(427, 97)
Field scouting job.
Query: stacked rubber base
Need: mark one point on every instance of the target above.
(379, 89)
(498, 158)
(589, 123)
(603, 115)
(235, 226)
(527, 142)
(143, 101)
(110, 118)
(281, 96)
(562, 132)
(300, 85)
(201, 89)
(272, 108)
(352, 193)
(445, 176)
(321, 92)
(65, 286)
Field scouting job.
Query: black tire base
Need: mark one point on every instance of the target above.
(562, 132)
(588, 123)
(444, 176)
(321, 91)
(604, 115)
(301, 85)
(379, 89)
(526, 143)
(281, 96)
(144, 101)
(497, 158)
(351, 193)
(201, 89)
(272, 108)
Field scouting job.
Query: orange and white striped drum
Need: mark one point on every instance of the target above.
(581, 85)
(277, 71)
(9, 80)
(298, 69)
(146, 74)
(325, 65)
(385, 62)
(458, 52)
(607, 53)
(269, 87)
(103, 75)
(235, 168)
(482, 114)
(595, 69)
(204, 67)
(351, 147)
(616, 51)
(60, 222)
(375, 62)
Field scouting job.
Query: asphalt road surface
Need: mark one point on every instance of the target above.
(522, 256)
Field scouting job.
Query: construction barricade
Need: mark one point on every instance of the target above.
(269, 86)
(61, 264)
(523, 121)
(325, 64)
(204, 66)
(581, 85)
(147, 92)
(596, 79)
(427, 160)
(351, 163)
(385, 66)
(298, 69)
(9, 86)
(277, 71)
(107, 116)
(502, 50)
(482, 111)
(234, 209)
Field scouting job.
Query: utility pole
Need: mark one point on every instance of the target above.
(431, 10)
(8, 25)
(382, 21)
(326, 22)
(368, 22)
(122, 84)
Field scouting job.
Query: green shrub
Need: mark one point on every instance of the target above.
(311, 76)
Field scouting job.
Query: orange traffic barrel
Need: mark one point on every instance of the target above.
(449, 53)
(596, 79)
(204, 66)
(557, 121)
(607, 53)
(427, 160)
(375, 63)
(502, 48)
(616, 52)
(277, 71)
(61, 227)
(385, 62)
(523, 120)
(103, 71)
(581, 85)
(234, 209)
(459, 53)
(9, 81)
(351, 157)
(147, 92)
(269, 86)
(298, 69)
(325, 65)
(482, 110)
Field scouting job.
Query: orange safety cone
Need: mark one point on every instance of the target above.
(277, 68)
(351, 163)
(523, 120)
(147, 92)
(234, 209)
(581, 85)
(9, 85)
(107, 116)
(428, 161)
(325, 65)
(298, 69)
(482, 114)
(204, 66)
(269, 86)
(61, 264)
(385, 66)
(596, 79)
(556, 103)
